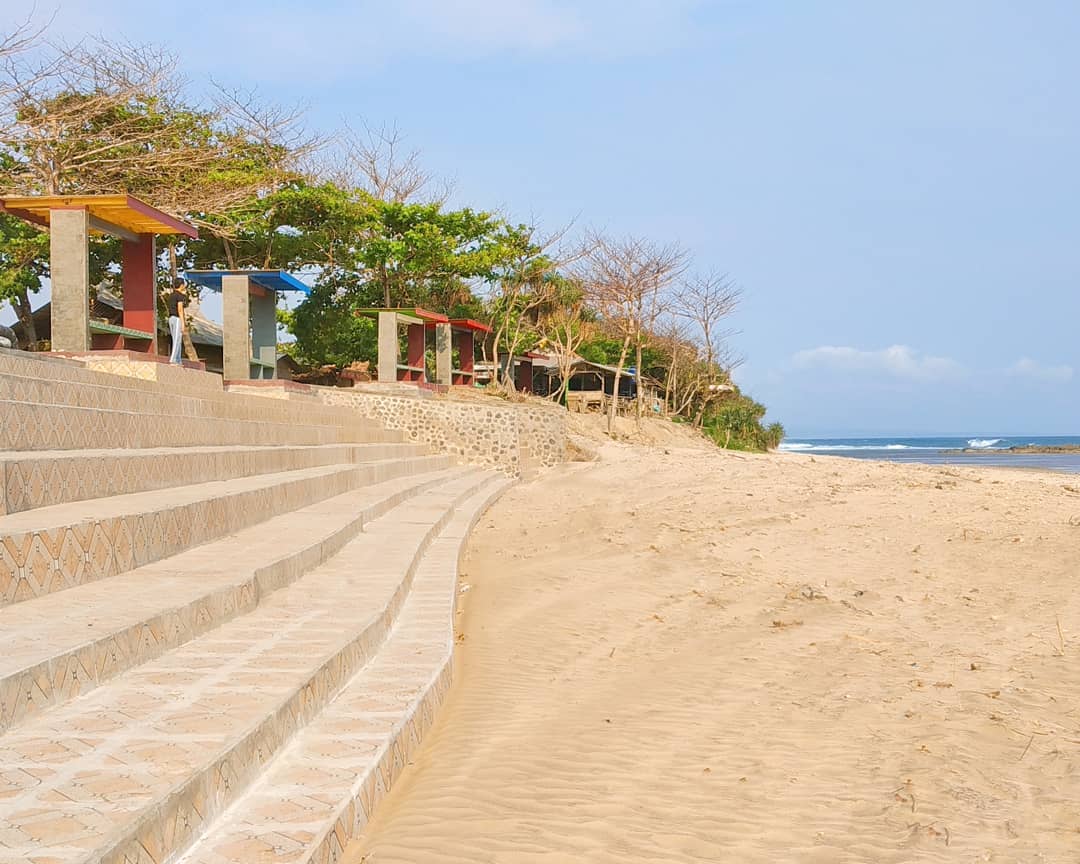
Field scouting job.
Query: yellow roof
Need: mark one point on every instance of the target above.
(109, 212)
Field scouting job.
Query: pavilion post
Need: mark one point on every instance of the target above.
(416, 352)
(466, 355)
(444, 354)
(139, 263)
(525, 376)
(236, 328)
(388, 346)
(263, 331)
(69, 265)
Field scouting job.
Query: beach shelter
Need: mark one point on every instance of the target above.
(460, 334)
(415, 321)
(71, 219)
(248, 317)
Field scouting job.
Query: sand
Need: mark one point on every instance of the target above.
(699, 656)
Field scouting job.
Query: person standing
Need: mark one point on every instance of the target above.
(177, 303)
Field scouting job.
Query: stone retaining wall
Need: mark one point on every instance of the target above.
(514, 438)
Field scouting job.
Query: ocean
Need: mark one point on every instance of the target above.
(931, 450)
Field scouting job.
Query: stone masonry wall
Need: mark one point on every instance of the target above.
(513, 438)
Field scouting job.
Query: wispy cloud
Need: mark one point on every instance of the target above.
(897, 361)
(322, 41)
(1025, 367)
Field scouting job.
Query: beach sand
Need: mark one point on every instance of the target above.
(703, 656)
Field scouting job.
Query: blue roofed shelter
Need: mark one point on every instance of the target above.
(248, 317)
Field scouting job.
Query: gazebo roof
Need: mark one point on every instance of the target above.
(424, 315)
(469, 324)
(271, 280)
(120, 215)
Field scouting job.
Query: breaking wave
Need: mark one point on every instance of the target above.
(799, 447)
(983, 443)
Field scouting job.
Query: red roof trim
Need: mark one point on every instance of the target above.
(469, 324)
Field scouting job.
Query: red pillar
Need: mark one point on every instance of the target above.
(416, 352)
(467, 354)
(524, 377)
(140, 303)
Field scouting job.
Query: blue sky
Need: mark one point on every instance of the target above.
(895, 185)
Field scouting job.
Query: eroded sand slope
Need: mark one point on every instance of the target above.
(700, 656)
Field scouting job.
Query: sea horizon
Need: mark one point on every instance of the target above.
(940, 449)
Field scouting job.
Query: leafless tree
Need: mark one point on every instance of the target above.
(375, 160)
(65, 115)
(527, 286)
(681, 353)
(706, 302)
(628, 282)
(563, 329)
(101, 116)
(24, 36)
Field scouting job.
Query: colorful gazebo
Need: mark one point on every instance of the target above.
(415, 321)
(459, 333)
(456, 333)
(70, 220)
(248, 317)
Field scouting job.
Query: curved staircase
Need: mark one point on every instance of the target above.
(225, 620)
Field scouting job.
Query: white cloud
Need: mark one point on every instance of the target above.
(898, 361)
(1025, 367)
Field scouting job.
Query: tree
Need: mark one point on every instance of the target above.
(324, 325)
(564, 329)
(108, 117)
(706, 302)
(627, 282)
(23, 251)
(527, 283)
(373, 160)
(420, 253)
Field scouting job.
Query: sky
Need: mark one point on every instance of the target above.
(894, 186)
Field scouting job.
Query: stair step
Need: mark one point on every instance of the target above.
(36, 426)
(31, 479)
(54, 548)
(57, 368)
(110, 394)
(59, 646)
(135, 770)
(320, 791)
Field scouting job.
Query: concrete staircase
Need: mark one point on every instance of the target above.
(225, 620)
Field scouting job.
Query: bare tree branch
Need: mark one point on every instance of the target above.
(629, 282)
(375, 160)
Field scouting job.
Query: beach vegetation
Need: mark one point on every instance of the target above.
(370, 227)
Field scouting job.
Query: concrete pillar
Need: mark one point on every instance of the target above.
(388, 347)
(263, 330)
(139, 264)
(69, 267)
(444, 354)
(235, 326)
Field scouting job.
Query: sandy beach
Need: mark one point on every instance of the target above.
(694, 655)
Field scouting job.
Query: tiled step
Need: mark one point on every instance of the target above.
(37, 426)
(55, 548)
(30, 479)
(59, 368)
(59, 646)
(135, 770)
(110, 394)
(322, 789)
